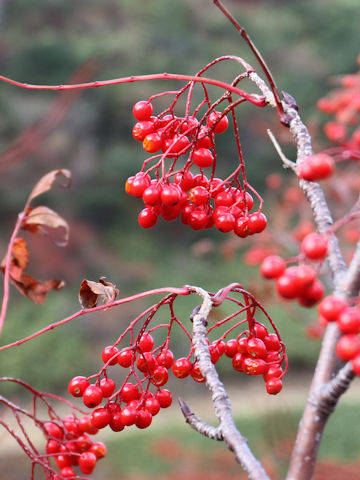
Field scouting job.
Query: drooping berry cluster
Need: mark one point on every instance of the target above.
(335, 309)
(69, 444)
(144, 363)
(201, 200)
(299, 282)
(258, 353)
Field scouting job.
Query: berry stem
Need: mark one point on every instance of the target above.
(255, 100)
(115, 303)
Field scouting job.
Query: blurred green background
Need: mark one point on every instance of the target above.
(46, 42)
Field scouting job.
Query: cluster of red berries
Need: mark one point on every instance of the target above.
(298, 282)
(70, 445)
(335, 309)
(131, 404)
(181, 193)
(258, 353)
(344, 104)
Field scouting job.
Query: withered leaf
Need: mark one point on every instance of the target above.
(34, 289)
(46, 182)
(93, 294)
(45, 221)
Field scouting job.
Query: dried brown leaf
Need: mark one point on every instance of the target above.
(93, 294)
(46, 182)
(45, 221)
(34, 289)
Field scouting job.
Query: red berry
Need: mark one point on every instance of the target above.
(146, 363)
(143, 418)
(244, 201)
(152, 143)
(315, 246)
(165, 358)
(152, 195)
(204, 140)
(260, 330)
(128, 415)
(286, 286)
(83, 443)
(272, 342)
(124, 358)
(171, 212)
(152, 405)
(336, 132)
(256, 348)
(116, 422)
(231, 347)
(63, 461)
(349, 320)
(256, 222)
(138, 185)
(201, 180)
(310, 296)
(54, 430)
(237, 361)
(77, 386)
(100, 417)
(203, 157)
(99, 449)
(242, 343)
(274, 371)
(273, 356)
(147, 217)
(272, 267)
(198, 219)
(129, 392)
(348, 347)
(331, 307)
(107, 386)
(224, 198)
(159, 376)
(242, 227)
(217, 123)
(67, 472)
(146, 342)
(175, 146)
(316, 167)
(92, 396)
(170, 194)
(87, 462)
(185, 180)
(52, 447)
(181, 367)
(254, 366)
(199, 195)
(142, 110)
(224, 222)
(109, 354)
(164, 397)
(356, 365)
(274, 386)
(141, 129)
(196, 374)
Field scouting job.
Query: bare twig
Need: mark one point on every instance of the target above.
(287, 163)
(227, 428)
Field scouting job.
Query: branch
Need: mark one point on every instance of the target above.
(227, 428)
